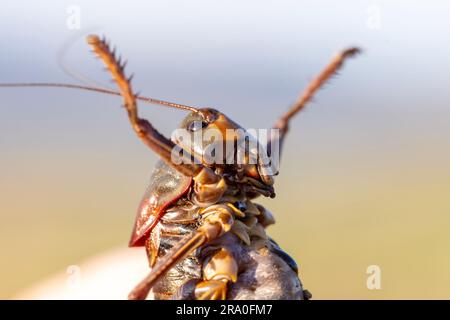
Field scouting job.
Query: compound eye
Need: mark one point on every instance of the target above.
(197, 125)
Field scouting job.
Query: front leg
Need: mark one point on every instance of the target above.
(143, 128)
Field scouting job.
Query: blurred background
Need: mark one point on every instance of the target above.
(365, 176)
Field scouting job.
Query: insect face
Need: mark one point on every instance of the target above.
(220, 143)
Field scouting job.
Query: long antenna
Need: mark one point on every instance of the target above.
(101, 90)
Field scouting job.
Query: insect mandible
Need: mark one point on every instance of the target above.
(204, 236)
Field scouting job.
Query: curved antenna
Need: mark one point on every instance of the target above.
(64, 65)
(101, 90)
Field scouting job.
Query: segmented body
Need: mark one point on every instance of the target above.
(178, 222)
(247, 242)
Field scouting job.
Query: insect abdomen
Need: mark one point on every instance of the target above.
(175, 225)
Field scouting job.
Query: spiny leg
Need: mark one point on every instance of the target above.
(331, 69)
(217, 220)
(146, 132)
